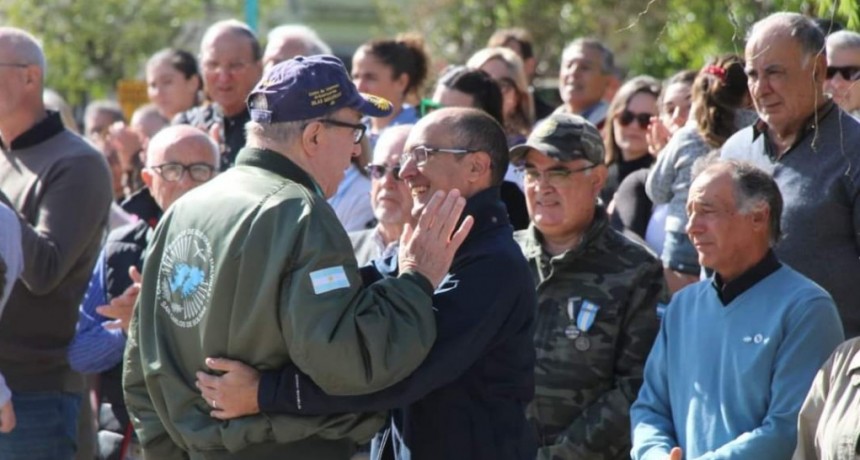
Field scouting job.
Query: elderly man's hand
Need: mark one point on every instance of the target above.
(121, 308)
(232, 394)
(429, 247)
(676, 454)
(7, 417)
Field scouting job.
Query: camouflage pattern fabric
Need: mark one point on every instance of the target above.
(587, 377)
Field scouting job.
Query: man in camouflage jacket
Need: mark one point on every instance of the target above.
(598, 295)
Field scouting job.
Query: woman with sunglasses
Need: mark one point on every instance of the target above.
(633, 212)
(392, 69)
(624, 134)
(720, 107)
(506, 68)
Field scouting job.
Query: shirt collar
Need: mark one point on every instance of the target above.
(729, 291)
(487, 209)
(278, 164)
(809, 126)
(48, 127)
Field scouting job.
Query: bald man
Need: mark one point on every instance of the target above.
(179, 158)
(60, 188)
(390, 199)
(230, 61)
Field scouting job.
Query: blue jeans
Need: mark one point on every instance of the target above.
(679, 254)
(46, 428)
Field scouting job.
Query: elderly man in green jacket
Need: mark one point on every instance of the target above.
(255, 265)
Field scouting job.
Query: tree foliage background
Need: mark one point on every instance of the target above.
(91, 44)
(656, 37)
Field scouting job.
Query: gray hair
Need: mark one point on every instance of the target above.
(233, 26)
(607, 57)
(107, 106)
(801, 28)
(278, 133)
(26, 49)
(312, 42)
(844, 39)
(753, 188)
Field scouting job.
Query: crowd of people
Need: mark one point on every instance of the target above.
(278, 257)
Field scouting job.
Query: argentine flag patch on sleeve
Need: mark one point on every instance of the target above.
(329, 279)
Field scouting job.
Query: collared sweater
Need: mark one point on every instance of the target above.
(61, 188)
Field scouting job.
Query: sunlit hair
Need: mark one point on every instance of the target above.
(719, 91)
(523, 117)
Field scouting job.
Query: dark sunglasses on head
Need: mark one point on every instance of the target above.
(426, 106)
(848, 73)
(378, 171)
(627, 117)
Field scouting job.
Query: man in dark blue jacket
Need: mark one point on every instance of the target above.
(467, 399)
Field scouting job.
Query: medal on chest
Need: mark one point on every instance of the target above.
(582, 314)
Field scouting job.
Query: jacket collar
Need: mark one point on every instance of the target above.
(47, 128)
(488, 211)
(809, 126)
(728, 291)
(278, 164)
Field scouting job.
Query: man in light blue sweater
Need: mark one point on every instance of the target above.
(736, 353)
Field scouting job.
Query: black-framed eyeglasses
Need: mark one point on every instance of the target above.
(422, 152)
(555, 177)
(848, 73)
(627, 117)
(358, 129)
(173, 172)
(377, 172)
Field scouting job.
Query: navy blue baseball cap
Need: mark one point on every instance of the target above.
(308, 87)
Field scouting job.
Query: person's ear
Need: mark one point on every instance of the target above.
(311, 138)
(480, 165)
(819, 72)
(146, 177)
(760, 217)
(598, 175)
(34, 75)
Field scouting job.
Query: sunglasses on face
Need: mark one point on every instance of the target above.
(627, 117)
(377, 172)
(848, 73)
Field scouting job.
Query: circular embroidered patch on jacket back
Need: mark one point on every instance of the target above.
(184, 279)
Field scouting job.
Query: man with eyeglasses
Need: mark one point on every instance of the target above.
(467, 399)
(179, 158)
(60, 188)
(254, 266)
(598, 295)
(231, 64)
(843, 70)
(809, 145)
(389, 197)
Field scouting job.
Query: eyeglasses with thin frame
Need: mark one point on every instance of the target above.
(173, 172)
(627, 117)
(358, 129)
(848, 73)
(421, 153)
(19, 65)
(556, 177)
(377, 172)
